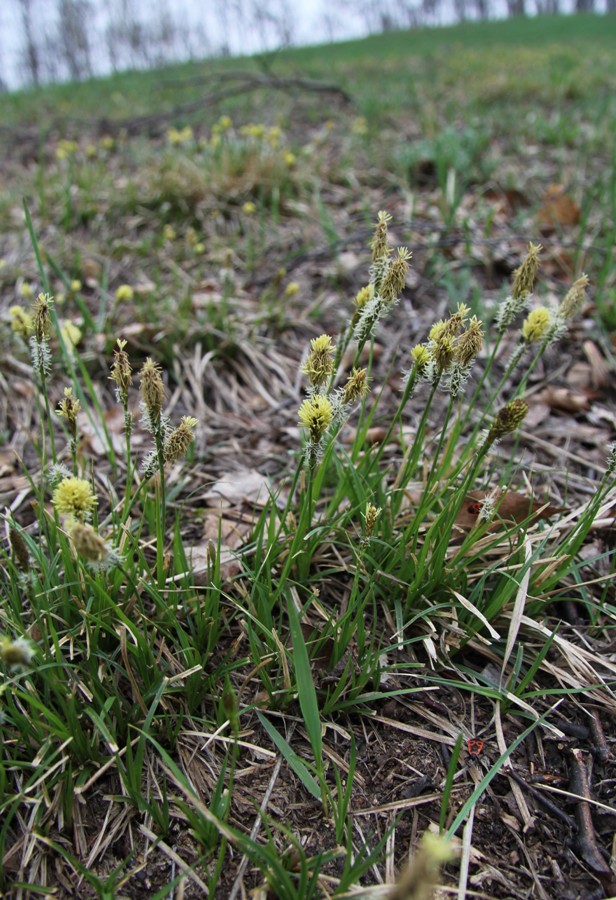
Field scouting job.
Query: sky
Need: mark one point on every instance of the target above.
(314, 21)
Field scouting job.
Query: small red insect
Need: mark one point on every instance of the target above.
(475, 747)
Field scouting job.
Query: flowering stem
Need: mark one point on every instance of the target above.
(411, 457)
(161, 512)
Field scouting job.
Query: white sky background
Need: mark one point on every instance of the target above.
(313, 21)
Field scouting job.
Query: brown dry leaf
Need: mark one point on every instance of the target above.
(200, 564)
(557, 209)
(93, 437)
(234, 529)
(511, 506)
(566, 399)
(508, 201)
(241, 486)
(579, 376)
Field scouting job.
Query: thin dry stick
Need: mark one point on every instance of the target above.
(587, 842)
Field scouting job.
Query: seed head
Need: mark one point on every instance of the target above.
(42, 317)
(20, 550)
(179, 440)
(395, 277)
(371, 515)
(88, 543)
(379, 245)
(443, 352)
(152, 389)
(470, 343)
(356, 386)
(524, 276)
(121, 371)
(574, 298)
(508, 419)
(456, 321)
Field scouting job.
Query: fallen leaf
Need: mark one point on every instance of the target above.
(566, 399)
(510, 506)
(241, 486)
(558, 210)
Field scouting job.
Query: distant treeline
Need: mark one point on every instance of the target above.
(56, 40)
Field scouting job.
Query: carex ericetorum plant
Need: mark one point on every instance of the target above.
(456, 406)
(98, 601)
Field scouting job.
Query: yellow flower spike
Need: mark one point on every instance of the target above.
(437, 330)
(124, 293)
(316, 415)
(249, 208)
(75, 286)
(363, 296)
(420, 356)
(536, 325)
(22, 322)
(319, 365)
(69, 408)
(71, 334)
(16, 653)
(291, 290)
(73, 497)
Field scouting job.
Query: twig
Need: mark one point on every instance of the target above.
(586, 841)
(544, 801)
(601, 748)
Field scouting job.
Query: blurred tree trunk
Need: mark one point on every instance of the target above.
(584, 5)
(460, 8)
(516, 7)
(483, 8)
(33, 60)
(73, 38)
(548, 7)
